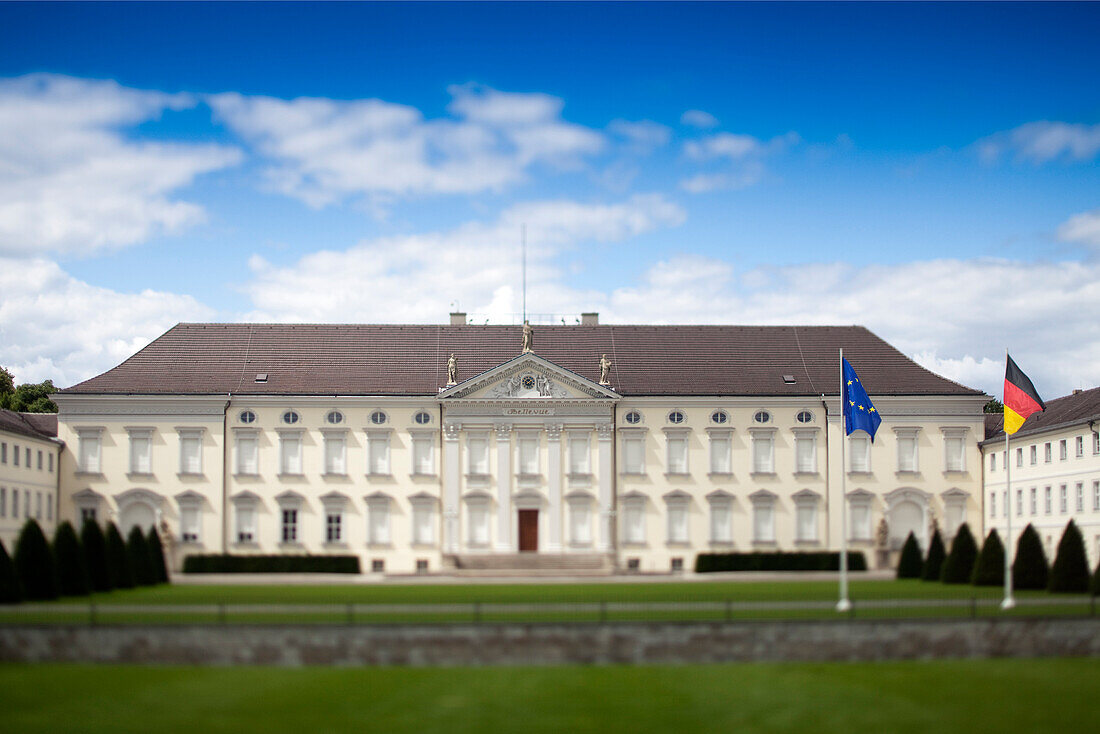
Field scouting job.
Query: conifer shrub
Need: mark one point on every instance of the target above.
(138, 550)
(95, 554)
(72, 567)
(1094, 587)
(989, 570)
(959, 565)
(34, 564)
(1070, 570)
(118, 560)
(1030, 569)
(910, 563)
(933, 563)
(11, 591)
(156, 556)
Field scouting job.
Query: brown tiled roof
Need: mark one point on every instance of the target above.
(1078, 408)
(35, 425)
(349, 359)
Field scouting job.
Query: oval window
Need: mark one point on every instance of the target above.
(247, 416)
(675, 417)
(423, 418)
(762, 416)
(633, 417)
(290, 417)
(334, 417)
(719, 417)
(805, 417)
(377, 417)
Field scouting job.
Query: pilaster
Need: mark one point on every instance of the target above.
(553, 478)
(504, 487)
(451, 470)
(604, 532)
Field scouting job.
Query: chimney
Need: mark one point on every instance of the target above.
(590, 319)
(458, 318)
(1077, 391)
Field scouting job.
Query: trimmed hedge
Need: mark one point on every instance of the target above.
(11, 591)
(34, 564)
(1094, 588)
(937, 554)
(1030, 570)
(139, 558)
(1070, 570)
(959, 566)
(72, 567)
(214, 563)
(777, 561)
(910, 563)
(95, 553)
(990, 568)
(156, 556)
(118, 559)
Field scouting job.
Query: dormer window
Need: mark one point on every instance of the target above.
(261, 377)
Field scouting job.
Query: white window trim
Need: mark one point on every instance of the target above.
(142, 433)
(810, 435)
(334, 504)
(190, 433)
(379, 503)
(763, 434)
(629, 504)
(679, 501)
(246, 434)
(290, 501)
(582, 477)
(862, 499)
(379, 437)
(333, 436)
(523, 435)
(291, 434)
(250, 503)
(190, 502)
(423, 437)
(89, 434)
(720, 437)
(419, 505)
(479, 477)
(579, 503)
(720, 501)
(802, 500)
(479, 503)
(908, 432)
(952, 433)
(763, 499)
(677, 435)
(864, 439)
(633, 434)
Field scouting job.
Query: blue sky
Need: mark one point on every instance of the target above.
(928, 170)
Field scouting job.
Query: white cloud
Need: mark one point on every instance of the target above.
(324, 151)
(53, 326)
(1043, 141)
(1083, 227)
(698, 118)
(747, 174)
(415, 278)
(741, 156)
(643, 136)
(71, 182)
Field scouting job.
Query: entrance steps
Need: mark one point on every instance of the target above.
(531, 564)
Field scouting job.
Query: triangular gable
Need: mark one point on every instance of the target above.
(528, 376)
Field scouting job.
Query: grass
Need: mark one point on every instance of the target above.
(575, 602)
(968, 697)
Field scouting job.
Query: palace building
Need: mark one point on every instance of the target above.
(422, 448)
(29, 477)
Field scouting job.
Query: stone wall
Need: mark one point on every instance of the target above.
(552, 644)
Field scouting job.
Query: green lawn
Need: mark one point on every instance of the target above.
(968, 697)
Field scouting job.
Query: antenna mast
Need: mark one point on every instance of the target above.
(523, 240)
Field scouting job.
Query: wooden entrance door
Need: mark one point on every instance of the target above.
(528, 530)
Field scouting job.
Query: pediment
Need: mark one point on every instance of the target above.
(528, 377)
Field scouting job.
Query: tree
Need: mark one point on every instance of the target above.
(990, 567)
(994, 406)
(118, 560)
(910, 563)
(10, 589)
(95, 553)
(1094, 588)
(933, 564)
(72, 566)
(33, 398)
(156, 556)
(959, 565)
(1070, 570)
(1030, 570)
(34, 564)
(7, 382)
(140, 562)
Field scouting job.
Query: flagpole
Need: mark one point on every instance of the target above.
(1009, 602)
(844, 604)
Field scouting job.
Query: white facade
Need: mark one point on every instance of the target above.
(28, 483)
(525, 456)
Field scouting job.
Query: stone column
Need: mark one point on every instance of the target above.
(451, 471)
(606, 489)
(553, 482)
(504, 488)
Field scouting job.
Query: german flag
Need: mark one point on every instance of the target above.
(1021, 397)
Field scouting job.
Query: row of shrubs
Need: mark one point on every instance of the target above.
(777, 561)
(270, 564)
(965, 564)
(78, 566)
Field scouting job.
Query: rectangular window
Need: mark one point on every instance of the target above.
(335, 455)
(805, 453)
(334, 523)
(1004, 497)
(3, 501)
(633, 455)
(141, 453)
(3, 453)
(189, 524)
(49, 508)
(423, 460)
(190, 453)
(478, 514)
(763, 456)
(807, 522)
(248, 454)
(1019, 502)
(1080, 497)
(677, 455)
(1096, 496)
(1063, 499)
(423, 524)
(763, 523)
(477, 455)
(993, 504)
(634, 522)
(859, 461)
(1080, 443)
(721, 522)
(861, 520)
(1063, 450)
(27, 503)
(27, 456)
(15, 503)
(87, 514)
(378, 454)
(1019, 457)
(89, 453)
(578, 455)
(1096, 442)
(38, 464)
(246, 524)
(1046, 452)
(907, 453)
(289, 532)
(528, 447)
(720, 454)
(580, 523)
(1034, 454)
(378, 531)
(953, 448)
(677, 522)
(290, 449)
(992, 462)
(1034, 502)
(50, 457)
(1047, 504)
(15, 454)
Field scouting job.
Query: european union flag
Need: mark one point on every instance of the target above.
(858, 410)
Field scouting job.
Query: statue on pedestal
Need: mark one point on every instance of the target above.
(605, 370)
(528, 337)
(452, 370)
